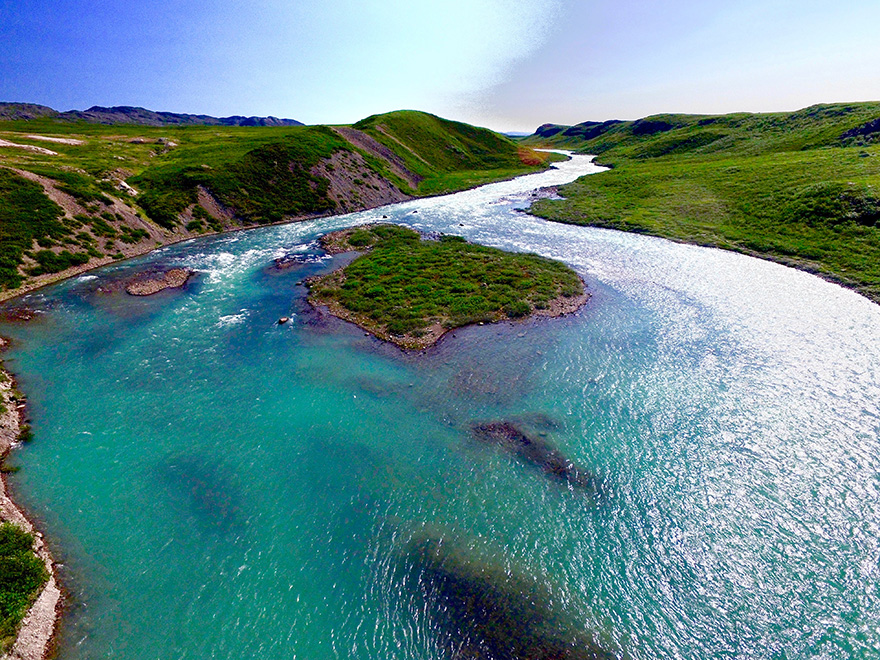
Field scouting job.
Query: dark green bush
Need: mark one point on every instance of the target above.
(25, 434)
(22, 575)
(25, 214)
(360, 238)
(49, 262)
(518, 309)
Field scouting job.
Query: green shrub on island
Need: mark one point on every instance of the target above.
(405, 283)
(22, 575)
(360, 238)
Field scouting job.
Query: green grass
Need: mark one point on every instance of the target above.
(22, 576)
(26, 215)
(269, 180)
(734, 134)
(260, 174)
(782, 187)
(449, 155)
(405, 284)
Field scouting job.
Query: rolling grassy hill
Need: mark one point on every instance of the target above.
(801, 188)
(447, 155)
(78, 194)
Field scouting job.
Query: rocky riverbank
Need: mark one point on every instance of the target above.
(39, 624)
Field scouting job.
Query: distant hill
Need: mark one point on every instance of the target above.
(824, 125)
(124, 114)
(443, 152)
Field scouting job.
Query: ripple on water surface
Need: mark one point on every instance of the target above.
(219, 485)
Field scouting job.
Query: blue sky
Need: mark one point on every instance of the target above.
(501, 63)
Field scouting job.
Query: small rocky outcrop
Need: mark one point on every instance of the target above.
(866, 133)
(147, 285)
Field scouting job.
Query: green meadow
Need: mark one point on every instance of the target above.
(138, 186)
(800, 188)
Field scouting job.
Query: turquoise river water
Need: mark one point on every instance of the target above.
(219, 486)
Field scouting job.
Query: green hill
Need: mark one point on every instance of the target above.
(106, 191)
(834, 125)
(801, 188)
(447, 155)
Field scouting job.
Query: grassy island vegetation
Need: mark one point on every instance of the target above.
(80, 194)
(410, 290)
(22, 576)
(799, 188)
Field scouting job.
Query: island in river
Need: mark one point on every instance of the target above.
(410, 289)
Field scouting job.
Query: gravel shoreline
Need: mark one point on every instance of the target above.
(38, 627)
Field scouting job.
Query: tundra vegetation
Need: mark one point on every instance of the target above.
(406, 283)
(800, 188)
(75, 193)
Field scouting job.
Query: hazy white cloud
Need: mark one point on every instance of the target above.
(630, 59)
(340, 60)
(503, 63)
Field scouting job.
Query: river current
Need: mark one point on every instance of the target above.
(217, 485)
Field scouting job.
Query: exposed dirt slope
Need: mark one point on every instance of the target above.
(369, 144)
(353, 185)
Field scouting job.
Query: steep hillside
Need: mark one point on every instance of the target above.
(77, 195)
(447, 155)
(801, 188)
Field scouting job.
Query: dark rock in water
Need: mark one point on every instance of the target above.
(207, 490)
(17, 313)
(537, 452)
(283, 320)
(295, 260)
(150, 283)
(537, 420)
(486, 611)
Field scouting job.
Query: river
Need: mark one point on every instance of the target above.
(219, 486)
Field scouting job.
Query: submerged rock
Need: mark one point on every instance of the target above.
(487, 611)
(208, 490)
(17, 313)
(295, 260)
(537, 452)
